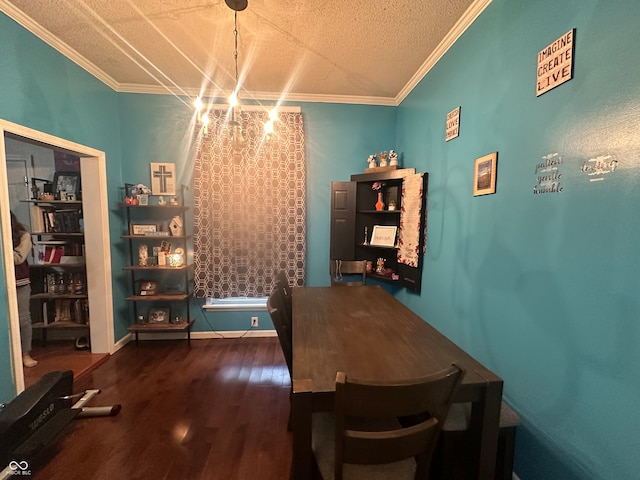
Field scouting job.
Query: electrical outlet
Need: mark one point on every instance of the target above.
(254, 322)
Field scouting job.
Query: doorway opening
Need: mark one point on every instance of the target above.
(96, 240)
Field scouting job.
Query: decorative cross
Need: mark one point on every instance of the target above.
(163, 175)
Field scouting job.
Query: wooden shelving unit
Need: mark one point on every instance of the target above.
(173, 282)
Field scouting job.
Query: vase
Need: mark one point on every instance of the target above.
(379, 203)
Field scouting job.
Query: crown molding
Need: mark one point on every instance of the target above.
(50, 39)
(463, 23)
(257, 96)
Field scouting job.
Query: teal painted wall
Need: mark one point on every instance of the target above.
(42, 90)
(543, 289)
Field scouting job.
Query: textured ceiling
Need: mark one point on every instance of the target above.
(355, 51)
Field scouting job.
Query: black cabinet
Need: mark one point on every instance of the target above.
(356, 214)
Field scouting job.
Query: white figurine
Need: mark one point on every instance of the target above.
(393, 158)
(372, 161)
(161, 200)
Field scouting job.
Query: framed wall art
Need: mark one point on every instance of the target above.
(163, 178)
(484, 174)
(138, 229)
(66, 182)
(159, 315)
(383, 236)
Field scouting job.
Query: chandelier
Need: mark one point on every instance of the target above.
(234, 123)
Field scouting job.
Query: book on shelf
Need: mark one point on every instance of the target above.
(50, 220)
(36, 214)
(66, 221)
(48, 252)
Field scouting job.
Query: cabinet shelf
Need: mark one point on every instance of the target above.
(159, 297)
(155, 207)
(155, 237)
(64, 266)
(158, 327)
(55, 325)
(162, 327)
(384, 278)
(380, 212)
(58, 234)
(61, 296)
(377, 247)
(158, 268)
(54, 202)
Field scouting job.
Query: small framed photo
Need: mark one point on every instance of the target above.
(147, 287)
(137, 229)
(66, 182)
(484, 174)
(159, 315)
(383, 236)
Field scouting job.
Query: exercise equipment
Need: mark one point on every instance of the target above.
(32, 421)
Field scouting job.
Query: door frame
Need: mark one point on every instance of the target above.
(97, 241)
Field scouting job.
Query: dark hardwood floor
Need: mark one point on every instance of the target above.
(215, 410)
(61, 355)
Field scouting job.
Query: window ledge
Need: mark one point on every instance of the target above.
(236, 303)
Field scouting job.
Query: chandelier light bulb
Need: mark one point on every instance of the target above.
(205, 123)
(237, 137)
(233, 99)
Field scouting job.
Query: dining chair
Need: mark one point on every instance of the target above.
(282, 323)
(276, 305)
(282, 283)
(357, 269)
(454, 456)
(363, 438)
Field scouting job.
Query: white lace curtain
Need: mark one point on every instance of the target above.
(249, 206)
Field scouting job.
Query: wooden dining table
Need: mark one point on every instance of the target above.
(367, 333)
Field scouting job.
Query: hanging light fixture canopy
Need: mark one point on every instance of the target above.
(237, 5)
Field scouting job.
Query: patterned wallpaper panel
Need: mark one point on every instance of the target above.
(249, 206)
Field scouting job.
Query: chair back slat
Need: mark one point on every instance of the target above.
(281, 318)
(367, 426)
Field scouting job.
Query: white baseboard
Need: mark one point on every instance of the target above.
(198, 335)
(121, 343)
(514, 477)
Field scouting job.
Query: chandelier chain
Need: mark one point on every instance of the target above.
(235, 49)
